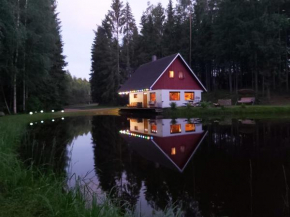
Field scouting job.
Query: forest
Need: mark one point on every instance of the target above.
(31, 59)
(32, 75)
(230, 44)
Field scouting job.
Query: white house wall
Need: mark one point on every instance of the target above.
(162, 97)
(163, 127)
(166, 101)
(138, 99)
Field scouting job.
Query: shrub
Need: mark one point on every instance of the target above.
(188, 106)
(204, 104)
(243, 106)
(173, 106)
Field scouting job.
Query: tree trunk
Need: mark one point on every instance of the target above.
(5, 101)
(256, 75)
(237, 77)
(230, 80)
(190, 35)
(16, 61)
(24, 64)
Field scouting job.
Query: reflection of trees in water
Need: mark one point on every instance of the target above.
(218, 177)
(239, 169)
(122, 170)
(45, 144)
(111, 155)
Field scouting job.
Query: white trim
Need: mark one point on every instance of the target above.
(180, 170)
(178, 55)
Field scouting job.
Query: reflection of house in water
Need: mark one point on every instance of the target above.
(171, 143)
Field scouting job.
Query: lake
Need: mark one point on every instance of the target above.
(231, 167)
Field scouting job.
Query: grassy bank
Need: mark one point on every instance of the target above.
(237, 111)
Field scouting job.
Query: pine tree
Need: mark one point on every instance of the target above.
(128, 41)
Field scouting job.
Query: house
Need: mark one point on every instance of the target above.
(160, 82)
(165, 142)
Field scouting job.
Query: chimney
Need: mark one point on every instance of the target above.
(154, 58)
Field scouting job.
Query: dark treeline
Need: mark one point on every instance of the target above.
(78, 90)
(32, 72)
(230, 44)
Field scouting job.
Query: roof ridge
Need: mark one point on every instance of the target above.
(159, 59)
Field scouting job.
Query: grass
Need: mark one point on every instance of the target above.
(237, 111)
(28, 192)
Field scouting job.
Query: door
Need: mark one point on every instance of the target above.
(145, 100)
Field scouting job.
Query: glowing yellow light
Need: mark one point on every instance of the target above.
(173, 151)
(52, 110)
(41, 111)
(31, 113)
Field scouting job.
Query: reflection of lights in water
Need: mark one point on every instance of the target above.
(31, 124)
(42, 122)
(126, 132)
(52, 120)
(52, 110)
(31, 113)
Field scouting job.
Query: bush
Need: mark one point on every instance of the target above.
(188, 106)
(205, 104)
(243, 106)
(173, 106)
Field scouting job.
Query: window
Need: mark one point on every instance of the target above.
(153, 97)
(135, 96)
(189, 95)
(180, 75)
(153, 128)
(135, 127)
(171, 74)
(174, 96)
(173, 151)
(182, 149)
(189, 127)
(175, 128)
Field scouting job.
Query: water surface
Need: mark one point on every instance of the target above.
(218, 168)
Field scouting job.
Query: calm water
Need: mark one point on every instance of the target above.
(213, 168)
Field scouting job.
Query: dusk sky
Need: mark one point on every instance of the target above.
(79, 19)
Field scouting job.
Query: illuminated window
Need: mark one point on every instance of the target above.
(153, 128)
(173, 151)
(135, 96)
(189, 95)
(135, 127)
(171, 74)
(189, 127)
(174, 96)
(180, 75)
(175, 128)
(153, 97)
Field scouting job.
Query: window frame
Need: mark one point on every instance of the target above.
(151, 93)
(174, 92)
(180, 130)
(193, 93)
(194, 128)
